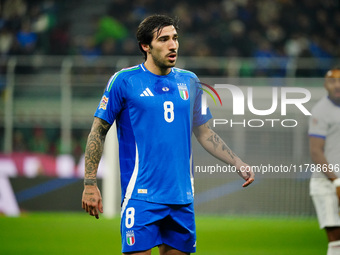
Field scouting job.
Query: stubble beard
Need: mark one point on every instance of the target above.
(334, 98)
(163, 64)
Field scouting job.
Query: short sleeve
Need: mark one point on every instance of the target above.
(112, 101)
(318, 126)
(198, 117)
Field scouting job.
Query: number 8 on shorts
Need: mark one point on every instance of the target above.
(130, 217)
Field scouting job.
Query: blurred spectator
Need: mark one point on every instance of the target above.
(60, 40)
(301, 70)
(235, 28)
(129, 47)
(26, 39)
(79, 143)
(19, 143)
(263, 56)
(239, 40)
(108, 27)
(296, 45)
(118, 9)
(108, 47)
(6, 41)
(39, 142)
(89, 49)
(13, 12)
(42, 22)
(267, 12)
(14, 8)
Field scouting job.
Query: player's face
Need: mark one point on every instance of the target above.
(164, 47)
(332, 85)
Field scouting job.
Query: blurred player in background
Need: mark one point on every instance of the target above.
(156, 107)
(324, 138)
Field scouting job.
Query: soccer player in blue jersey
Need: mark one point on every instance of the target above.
(156, 107)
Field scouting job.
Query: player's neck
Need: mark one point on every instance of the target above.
(334, 101)
(156, 69)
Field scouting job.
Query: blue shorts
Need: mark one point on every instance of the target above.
(145, 225)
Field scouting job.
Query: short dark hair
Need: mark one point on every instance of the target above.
(148, 26)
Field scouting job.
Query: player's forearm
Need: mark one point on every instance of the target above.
(93, 154)
(316, 149)
(218, 148)
(94, 150)
(213, 143)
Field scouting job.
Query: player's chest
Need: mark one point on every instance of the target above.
(159, 94)
(334, 122)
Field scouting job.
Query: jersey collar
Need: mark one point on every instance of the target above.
(338, 105)
(146, 70)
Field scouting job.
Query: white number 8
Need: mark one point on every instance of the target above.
(130, 217)
(169, 111)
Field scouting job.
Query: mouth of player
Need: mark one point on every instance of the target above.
(172, 57)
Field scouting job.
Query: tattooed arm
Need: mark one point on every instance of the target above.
(212, 143)
(92, 200)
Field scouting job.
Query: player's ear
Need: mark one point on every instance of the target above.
(145, 47)
(325, 84)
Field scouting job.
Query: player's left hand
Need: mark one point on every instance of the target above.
(247, 174)
(92, 201)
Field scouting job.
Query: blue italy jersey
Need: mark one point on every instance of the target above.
(154, 117)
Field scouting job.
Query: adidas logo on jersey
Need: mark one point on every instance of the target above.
(147, 93)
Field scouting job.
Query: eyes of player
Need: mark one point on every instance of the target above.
(166, 38)
(333, 80)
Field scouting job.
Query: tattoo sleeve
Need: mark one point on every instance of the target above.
(217, 145)
(94, 149)
(218, 142)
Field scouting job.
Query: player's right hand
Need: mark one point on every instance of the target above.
(92, 201)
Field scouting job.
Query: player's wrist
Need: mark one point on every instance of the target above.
(336, 182)
(90, 182)
(239, 164)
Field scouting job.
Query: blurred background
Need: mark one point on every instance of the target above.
(57, 56)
